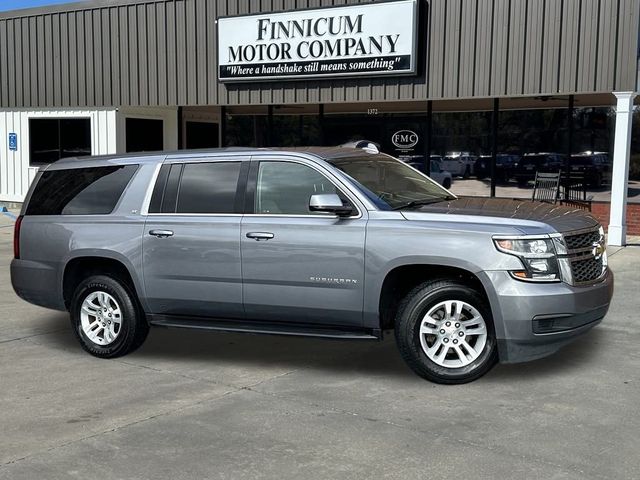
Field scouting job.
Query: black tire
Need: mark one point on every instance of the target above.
(410, 313)
(446, 183)
(134, 327)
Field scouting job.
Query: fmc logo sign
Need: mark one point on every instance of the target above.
(404, 139)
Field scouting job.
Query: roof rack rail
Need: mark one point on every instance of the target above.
(366, 145)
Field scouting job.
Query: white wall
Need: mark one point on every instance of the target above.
(107, 137)
(15, 173)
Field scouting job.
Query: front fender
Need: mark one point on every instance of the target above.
(374, 290)
(375, 280)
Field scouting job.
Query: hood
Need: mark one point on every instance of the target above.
(561, 218)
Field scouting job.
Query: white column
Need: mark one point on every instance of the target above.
(620, 173)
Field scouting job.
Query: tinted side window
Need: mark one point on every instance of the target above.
(286, 187)
(158, 189)
(170, 196)
(80, 191)
(208, 187)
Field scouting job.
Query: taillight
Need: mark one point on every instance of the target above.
(16, 238)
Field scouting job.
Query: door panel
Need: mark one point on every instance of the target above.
(299, 266)
(195, 271)
(191, 246)
(312, 270)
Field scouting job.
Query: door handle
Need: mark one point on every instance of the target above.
(161, 233)
(260, 235)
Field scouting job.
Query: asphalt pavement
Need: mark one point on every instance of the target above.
(191, 405)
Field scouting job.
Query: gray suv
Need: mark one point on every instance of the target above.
(326, 242)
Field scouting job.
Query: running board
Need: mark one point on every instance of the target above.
(267, 328)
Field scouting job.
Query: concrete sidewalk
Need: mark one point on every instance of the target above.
(7, 214)
(202, 405)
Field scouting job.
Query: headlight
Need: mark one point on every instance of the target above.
(535, 246)
(538, 257)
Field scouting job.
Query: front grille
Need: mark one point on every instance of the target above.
(582, 240)
(584, 260)
(587, 270)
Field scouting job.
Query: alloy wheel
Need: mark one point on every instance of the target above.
(101, 318)
(453, 334)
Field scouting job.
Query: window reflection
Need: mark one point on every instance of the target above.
(634, 165)
(539, 140)
(529, 140)
(460, 140)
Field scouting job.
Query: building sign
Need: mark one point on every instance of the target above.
(13, 142)
(405, 139)
(365, 39)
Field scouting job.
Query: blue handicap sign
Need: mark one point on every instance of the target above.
(13, 141)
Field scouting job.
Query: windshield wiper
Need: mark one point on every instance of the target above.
(424, 201)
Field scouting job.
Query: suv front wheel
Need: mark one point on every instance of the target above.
(445, 332)
(105, 317)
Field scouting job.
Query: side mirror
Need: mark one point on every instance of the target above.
(329, 203)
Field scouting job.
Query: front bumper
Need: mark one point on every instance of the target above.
(534, 320)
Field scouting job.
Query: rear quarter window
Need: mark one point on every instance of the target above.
(80, 191)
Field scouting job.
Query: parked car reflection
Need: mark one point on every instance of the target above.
(505, 166)
(460, 164)
(595, 166)
(437, 173)
(531, 163)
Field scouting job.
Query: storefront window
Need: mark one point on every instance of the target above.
(529, 140)
(461, 145)
(592, 156)
(401, 135)
(538, 140)
(296, 130)
(144, 134)
(246, 131)
(246, 127)
(201, 134)
(51, 139)
(340, 129)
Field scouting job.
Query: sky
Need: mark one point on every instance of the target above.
(17, 4)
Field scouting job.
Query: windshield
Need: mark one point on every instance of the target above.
(389, 183)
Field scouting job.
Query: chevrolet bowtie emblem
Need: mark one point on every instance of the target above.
(598, 250)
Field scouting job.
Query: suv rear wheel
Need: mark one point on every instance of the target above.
(445, 333)
(106, 318)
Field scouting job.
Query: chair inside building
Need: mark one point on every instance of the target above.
(574, 191)
(546, 187)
